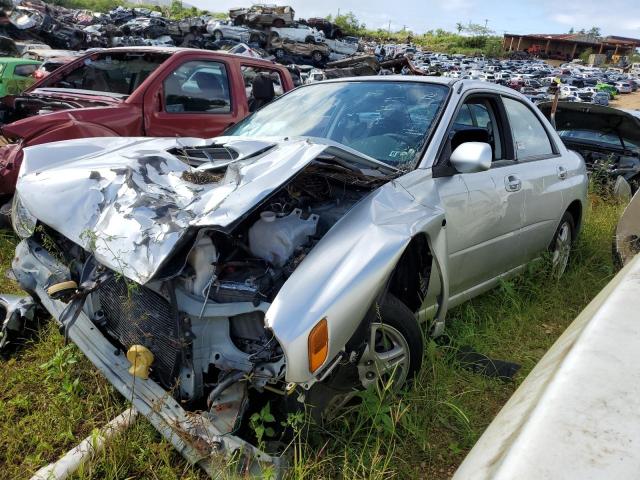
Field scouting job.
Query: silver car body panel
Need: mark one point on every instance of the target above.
(576, 414)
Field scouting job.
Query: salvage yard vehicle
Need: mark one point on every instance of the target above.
(318, 52)
(221, 29)
(290, 262)
(263, 15)
(607, 138)
(152, 91)
(16, 75)
(298, 33)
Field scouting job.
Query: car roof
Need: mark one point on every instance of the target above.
(180, 50)
(18, 60)
(464, 84)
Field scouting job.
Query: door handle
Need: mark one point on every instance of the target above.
(512, 183)
(562, 173)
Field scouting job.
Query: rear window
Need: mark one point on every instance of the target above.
(118, 73)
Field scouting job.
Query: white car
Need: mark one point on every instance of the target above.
(298, 33)
(623, 87)
(567, 91)
(225, 29)
(315, 75)
(342, 47)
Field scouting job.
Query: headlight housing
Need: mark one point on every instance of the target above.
(24, 223)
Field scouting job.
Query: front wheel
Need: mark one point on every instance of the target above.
(316, 56)
(394, 348)
(561, 244)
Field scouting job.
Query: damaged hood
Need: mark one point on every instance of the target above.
(130, 201)
(595, 118)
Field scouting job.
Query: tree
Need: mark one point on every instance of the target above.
(459, 27)
(584, 56)
(594, 32)
(571, 31)
(348, 23)
(477, 29)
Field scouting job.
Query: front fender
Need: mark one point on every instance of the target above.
(341, 277)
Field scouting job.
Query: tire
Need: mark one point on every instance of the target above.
(310, 39)
(254, 38)
(275, 35)
(560, 247)
(316, 56)
(393, 327)
(278, 23)
(217, 35)
(280, 53)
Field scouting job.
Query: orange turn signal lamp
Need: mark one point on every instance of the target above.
(318, 345)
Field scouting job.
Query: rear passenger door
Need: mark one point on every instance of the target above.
(541, 173)
(195, 99)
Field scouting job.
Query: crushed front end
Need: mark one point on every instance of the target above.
(168, 301)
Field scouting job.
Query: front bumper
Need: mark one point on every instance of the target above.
(192, 434)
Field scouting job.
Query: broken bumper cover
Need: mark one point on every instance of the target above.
(192, 434)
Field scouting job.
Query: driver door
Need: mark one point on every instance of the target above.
(194, 100)
(484, 210)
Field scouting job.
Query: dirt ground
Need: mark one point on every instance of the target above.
(630, 101)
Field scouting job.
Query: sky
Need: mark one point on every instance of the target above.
(614, 17)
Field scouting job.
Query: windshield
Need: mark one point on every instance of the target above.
(109, 72)
(389, 121)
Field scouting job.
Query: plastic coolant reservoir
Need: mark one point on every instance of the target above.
(202, 258)
(274, 238)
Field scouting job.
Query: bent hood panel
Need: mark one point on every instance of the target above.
(126, 200)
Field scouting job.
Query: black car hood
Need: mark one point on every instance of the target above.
(595, 118)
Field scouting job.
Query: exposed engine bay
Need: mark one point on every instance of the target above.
(203, 324)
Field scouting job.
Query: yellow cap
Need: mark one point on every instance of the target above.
(141, 359)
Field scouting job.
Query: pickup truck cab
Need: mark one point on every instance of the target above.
(145, 91)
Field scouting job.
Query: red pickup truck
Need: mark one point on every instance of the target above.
(146, 91)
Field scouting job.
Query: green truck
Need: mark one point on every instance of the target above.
(16, 74)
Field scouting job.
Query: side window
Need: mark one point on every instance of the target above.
(479, 113)
(464, 117)
(529, 135)
(261, 85)
(198, 87)
(24, 70)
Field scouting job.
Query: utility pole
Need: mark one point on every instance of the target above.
(486, 22)
(389, 29)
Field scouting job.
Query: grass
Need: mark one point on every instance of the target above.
(52, 397)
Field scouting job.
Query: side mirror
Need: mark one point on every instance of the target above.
(472, 157)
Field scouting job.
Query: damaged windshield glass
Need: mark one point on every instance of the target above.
(387, 121)
(115, 73)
